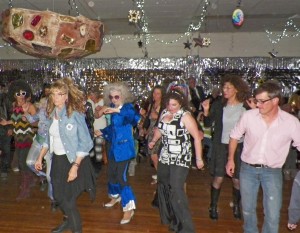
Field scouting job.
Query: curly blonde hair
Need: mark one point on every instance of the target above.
(75, 101)
(121, 87)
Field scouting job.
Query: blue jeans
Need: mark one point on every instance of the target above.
(207, 142)
(271, 181)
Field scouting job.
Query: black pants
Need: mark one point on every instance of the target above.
(117, 172)
(173, 203)
(66, 193)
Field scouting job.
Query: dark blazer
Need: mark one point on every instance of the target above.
(195, 99)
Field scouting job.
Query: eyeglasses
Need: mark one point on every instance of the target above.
(23, 93)
(116, 97)
(261, 101)
(58, 94)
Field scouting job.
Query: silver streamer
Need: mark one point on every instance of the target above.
(143, 74)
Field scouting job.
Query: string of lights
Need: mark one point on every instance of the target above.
(73, 5)
(279, 37)
(10, 4)
(144, 24)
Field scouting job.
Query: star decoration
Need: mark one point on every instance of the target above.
(140, 44)
(187, 45)
(198, 42)
(202, 42)
(273, 53)
(205, 42)
(134, 16)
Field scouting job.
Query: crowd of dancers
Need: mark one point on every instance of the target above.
(65, 137)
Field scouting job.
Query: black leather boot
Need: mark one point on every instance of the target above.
(62, 227)
(236, 194)
(213, 210)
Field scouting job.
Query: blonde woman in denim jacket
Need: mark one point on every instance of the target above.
(69, 143)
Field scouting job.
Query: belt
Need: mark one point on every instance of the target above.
(257, 165)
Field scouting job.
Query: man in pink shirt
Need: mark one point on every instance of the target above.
(268, 132)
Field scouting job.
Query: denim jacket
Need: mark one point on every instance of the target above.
(41, 117)
(74, 135)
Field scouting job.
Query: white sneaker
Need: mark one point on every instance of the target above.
(154, 177)
(15, 169)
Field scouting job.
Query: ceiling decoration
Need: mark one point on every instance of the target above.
(202, 42)
(48, 34)
(187, 44)
(278, 37)
(181, 18)
(238, 15)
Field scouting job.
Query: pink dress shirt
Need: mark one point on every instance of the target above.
(263, 144)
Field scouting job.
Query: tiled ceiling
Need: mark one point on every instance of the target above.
(174, 16)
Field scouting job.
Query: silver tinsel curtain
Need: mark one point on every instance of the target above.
(143, 74)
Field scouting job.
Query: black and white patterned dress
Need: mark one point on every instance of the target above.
(176, 141)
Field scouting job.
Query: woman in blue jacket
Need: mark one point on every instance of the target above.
(69, 142)
(120, 136)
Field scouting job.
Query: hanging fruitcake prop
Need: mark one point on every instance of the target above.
(51, 35)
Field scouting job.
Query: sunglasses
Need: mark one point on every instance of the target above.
(116, 97)
(23, 93)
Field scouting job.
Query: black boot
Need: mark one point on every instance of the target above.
(214, 195)
(54, 205)
(236, 194)
(62, 227)
(154, 203)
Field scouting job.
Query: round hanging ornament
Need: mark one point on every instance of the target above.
(238, 17)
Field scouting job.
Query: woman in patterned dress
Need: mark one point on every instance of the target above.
(175, 127)
(20, 92)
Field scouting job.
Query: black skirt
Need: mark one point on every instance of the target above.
(85, 181)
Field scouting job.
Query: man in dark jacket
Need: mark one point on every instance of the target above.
(197, 95)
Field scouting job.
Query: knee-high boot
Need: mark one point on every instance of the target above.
(214, 195)
(236, 194)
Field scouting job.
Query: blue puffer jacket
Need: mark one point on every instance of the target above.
(74, 135)
(120, 133)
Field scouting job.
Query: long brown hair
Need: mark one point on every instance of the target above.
(75, 101)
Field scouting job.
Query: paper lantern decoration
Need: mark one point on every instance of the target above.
(238, 17)
(50, 35)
